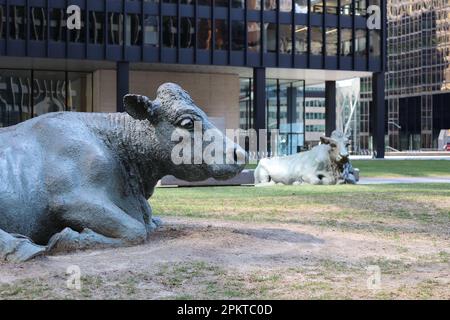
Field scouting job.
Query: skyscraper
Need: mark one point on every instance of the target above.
(418, 75)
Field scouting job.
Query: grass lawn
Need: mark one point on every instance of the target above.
(400, 168)
(402, 229)
(283, 242)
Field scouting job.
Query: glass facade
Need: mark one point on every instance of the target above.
(417, 77)
(25, 94)
(285, 111)
(152, 31)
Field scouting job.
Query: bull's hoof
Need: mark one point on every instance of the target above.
(24, 251)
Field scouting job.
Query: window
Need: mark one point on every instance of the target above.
(301, 6)
(221, 35)
(331, 41)
(2, 22)
(346, 42)
(204, 34)
(58, 25)
(238, 4)
(375, 43)
(17, 22)
(316, 41)
(151, 30)
(360, 42)
(115, 21)
(170, 32)
(187, 33)
(270, 37)
(316, 6)
(238, 33)
(133, 30)
(254, 36)
(346, 7)
(78, 36)
(332, 6)
(285, 5)
(285, 43)
(301, 39)
(360, 7)
(270, 5)
(254, 4)
(38, 18)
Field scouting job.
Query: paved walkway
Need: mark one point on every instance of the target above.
(403, 180)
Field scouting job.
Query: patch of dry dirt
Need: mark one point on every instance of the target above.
(198, 258)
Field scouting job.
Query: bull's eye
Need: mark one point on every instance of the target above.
(333, 145)
(186, 123)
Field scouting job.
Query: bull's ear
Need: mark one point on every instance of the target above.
(137, 106)
(325, 140)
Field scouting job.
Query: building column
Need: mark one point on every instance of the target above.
(122, 83)
(330, 107)
(378, 115)
(259, 103)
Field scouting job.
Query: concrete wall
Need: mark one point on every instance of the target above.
(216, 94)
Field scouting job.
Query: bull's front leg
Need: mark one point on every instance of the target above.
(15, 248)
(103, 225)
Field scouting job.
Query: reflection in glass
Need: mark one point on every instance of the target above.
(2, 22)
(374, 43)
(346, 7)
(346, 42)
(316, 41)
(170, 32)
(254, 36)
(17, 23)
(270, 37)
(301, 6)
(332, 6)
(79, 36)
(246, 104)
(285, 43)
(331, 41)
(204, 34)
(360, 7)
(58, 25)
(270, 5)
(221, 34)
(96, 27)
(221, 3)
(187, 32)
(133, 30)
(151, 30)
(316, 6)
(272, 103)
(80, 92)
(15, 97)
(301, 39)
(254, 4)
(238, 4)
(49, 92)
(361, 42)
(38, 18)
(238, 33)
(285, 5)
(115, 21)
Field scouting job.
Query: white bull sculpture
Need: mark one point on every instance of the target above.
(327, 163)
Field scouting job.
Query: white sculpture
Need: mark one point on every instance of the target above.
(327, 163)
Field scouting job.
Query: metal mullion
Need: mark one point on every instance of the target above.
(178, 32)
(213, 30)
(309, 34)
(293, 25)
